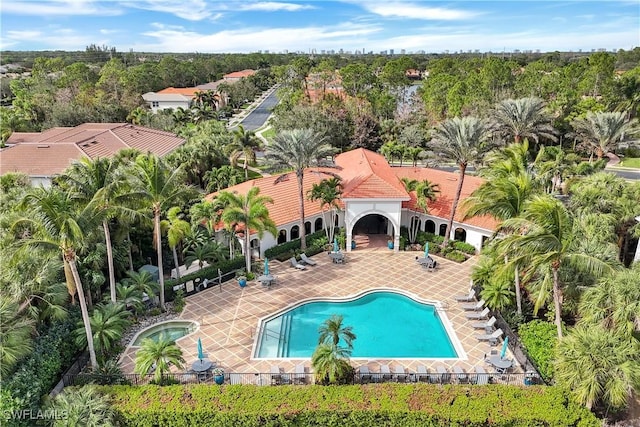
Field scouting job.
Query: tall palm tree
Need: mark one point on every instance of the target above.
(603, 130)
(96, 182)
(546, 242)
(523, 118)
(462, 140)
(244, 145)
(177, 228)
(158, 188)
(598, 366)
(328, 192)
(331, 363)
(15, 335)
(249, 211)
(160, 354)
(56, 223)
(426, 191)
(332, 331)
(108, 323)
(298, 149)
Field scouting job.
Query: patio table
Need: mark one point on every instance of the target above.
(500, 363)
(202, 365)
(266, 280)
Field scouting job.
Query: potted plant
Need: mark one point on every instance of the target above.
(390, 242)
(218, 375)
(241, 278)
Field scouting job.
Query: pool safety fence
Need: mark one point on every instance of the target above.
(271, 379)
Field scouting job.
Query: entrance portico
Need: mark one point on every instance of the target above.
(391, 209)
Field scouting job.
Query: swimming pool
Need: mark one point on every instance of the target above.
(387, 324)
(173, 329)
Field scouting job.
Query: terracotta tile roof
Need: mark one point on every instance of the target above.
(366, 174)
(448, 184)
(239, 74)
(50, 152)
(186, 91)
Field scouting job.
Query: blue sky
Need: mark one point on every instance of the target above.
(372, 25)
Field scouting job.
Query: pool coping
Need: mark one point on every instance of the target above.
(439, 307)
(135, 337)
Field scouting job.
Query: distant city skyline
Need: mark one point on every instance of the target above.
(363, 26)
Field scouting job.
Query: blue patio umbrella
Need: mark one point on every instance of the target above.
(266, 266)
(200, 352)
(505, 344)
(426, 249)
(335, 245)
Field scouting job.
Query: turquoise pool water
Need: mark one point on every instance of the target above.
(172, 329)
(386, 324)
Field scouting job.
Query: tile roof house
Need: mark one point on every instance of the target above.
(371, 189)
(237, 75)
(45, 154)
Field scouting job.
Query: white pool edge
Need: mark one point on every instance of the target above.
(164, 322)
(439, 306)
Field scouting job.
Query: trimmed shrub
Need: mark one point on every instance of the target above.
(210, 272)
(539, 339)
(388, 404)
(455, 255)
(464, 247)
(284, 251)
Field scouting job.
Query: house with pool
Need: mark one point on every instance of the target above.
(373, 202)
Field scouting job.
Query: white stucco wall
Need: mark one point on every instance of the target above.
(168, 105)
(37, 181)
(359, 208)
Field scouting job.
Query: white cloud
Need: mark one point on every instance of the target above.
(191, 10)
(58, 8)
(269, 6)
(51, 38)
(405, 10)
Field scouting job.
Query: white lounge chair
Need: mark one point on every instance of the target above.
(473, 306)
(422, 375)
(443, 375)
(304, 258)
(485, 325)
(364, 373)
(296, 264)
(478, 316)
(460, 374)
(482, 378)
(300, 377)
(386, 372)
(400, 374)
(492, 338)
(467, 298)
(276, 376)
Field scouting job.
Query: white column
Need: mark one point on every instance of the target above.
(349, 238)
(636, 257)
(396, 241)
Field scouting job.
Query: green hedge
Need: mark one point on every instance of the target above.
(357, 405)
(315, 242)
(539, 339)
(464, 247)
(210, 272)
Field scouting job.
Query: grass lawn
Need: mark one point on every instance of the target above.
(632, 162)
(269, 134)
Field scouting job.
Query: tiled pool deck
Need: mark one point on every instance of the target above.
(229, 317)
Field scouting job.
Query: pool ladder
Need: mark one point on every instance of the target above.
(283, 344)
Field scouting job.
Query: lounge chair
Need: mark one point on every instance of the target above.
(473, 306)
(276, 376)
(487, 326)
(478, 316)
(460, 374)
(386, 372)
(296, 264)
(467, 298)
(305, 259)
(492, 338)
(481, 377)
(422, 374)
(443, 375)
(300, 377)
(400, 374)
(364, 374)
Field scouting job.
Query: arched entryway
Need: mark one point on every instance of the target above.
(372, 231)
(282, 236)
(318, 224)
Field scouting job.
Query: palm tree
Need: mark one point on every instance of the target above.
(56, 223)
(497, 294)
(177, 229)
(158, 188)
(251, 212)
(83, 407)
(328, 192)
(598, 366)
(96, 182)
(426, 191)
(546, 242)
(331, 363)
(108, 323)
(463, 141)
(210, 252)
(298, 149)
(244, 145)
(523, 118)
(142, 281)
(160, 355)
(129, 295)
(602, 130)
(15, 335)
(332, 331)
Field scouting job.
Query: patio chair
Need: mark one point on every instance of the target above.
(443, 375)
(473, 306)
(300, 376)
(386, 372)
(492, 338)
(460, 374)
(481, 377)
(296, 264)
(364, 374)
(487, 326)
(276, 376)
(478, 316)
(400, 374)
(422, 375)
(305, 259)
(466, 298)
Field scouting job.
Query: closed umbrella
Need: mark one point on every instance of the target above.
(335, 245)
(426, 249)
(200, 352)
(505, 344)
(266, 266)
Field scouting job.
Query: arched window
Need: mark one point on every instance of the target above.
(295, 232)
(337, 221)
(282, 236)
(318, 225)
(307, 228)
(430, 226)
(443, 229)
(460, 235)
(485, 239)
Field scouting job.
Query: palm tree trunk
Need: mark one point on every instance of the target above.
(112, 274)
(303, 237)
(85, 312)
(129, 253)
(556, 301)
(175, 261)
(246, 169)
(247, 249)
(463, 168)
(159, 253)
(518, 293)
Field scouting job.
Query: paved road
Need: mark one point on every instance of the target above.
(259, 116)
(626, 174)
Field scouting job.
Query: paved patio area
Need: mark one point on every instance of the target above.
(229, 317)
